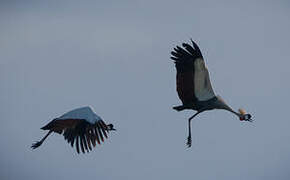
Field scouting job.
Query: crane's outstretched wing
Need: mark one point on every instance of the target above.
(80, 132)
(192, 78)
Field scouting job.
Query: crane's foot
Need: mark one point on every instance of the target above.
(189, 141)
(36, 144)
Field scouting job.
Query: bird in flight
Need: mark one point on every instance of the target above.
(81, 126)
(193, 85)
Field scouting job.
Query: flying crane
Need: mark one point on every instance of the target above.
(81, 126)
(193, 85)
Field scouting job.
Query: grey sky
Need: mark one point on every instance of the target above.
(114, 56)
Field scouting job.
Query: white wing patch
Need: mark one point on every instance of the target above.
(202, 85)
(85, 113)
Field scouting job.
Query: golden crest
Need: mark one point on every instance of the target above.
(242, 111)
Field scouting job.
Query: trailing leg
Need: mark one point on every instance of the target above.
(38, 143)
(189, 141)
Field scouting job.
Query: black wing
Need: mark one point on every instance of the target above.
(85, 135)
(192, 79)
(184, 62)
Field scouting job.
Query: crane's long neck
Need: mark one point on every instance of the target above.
(222, 105)
(231, 110)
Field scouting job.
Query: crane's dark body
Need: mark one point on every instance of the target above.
(193, 84)
(198, 105)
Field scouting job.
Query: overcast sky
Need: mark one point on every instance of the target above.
(114, 56)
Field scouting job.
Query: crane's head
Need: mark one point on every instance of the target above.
(244, 116)
(111, 127)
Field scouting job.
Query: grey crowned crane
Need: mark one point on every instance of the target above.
(193, 85)
(81, 127)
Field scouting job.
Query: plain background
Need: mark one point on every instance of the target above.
(114, 56)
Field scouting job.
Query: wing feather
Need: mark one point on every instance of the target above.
(104, 127)
(100, 132)
(82, 144)
(97, 135)
(192, 78)
(89, 141)
(93, 137)
(85, 142)
(77, 144)
(72, 142)
(189, 48)
(198, 52)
